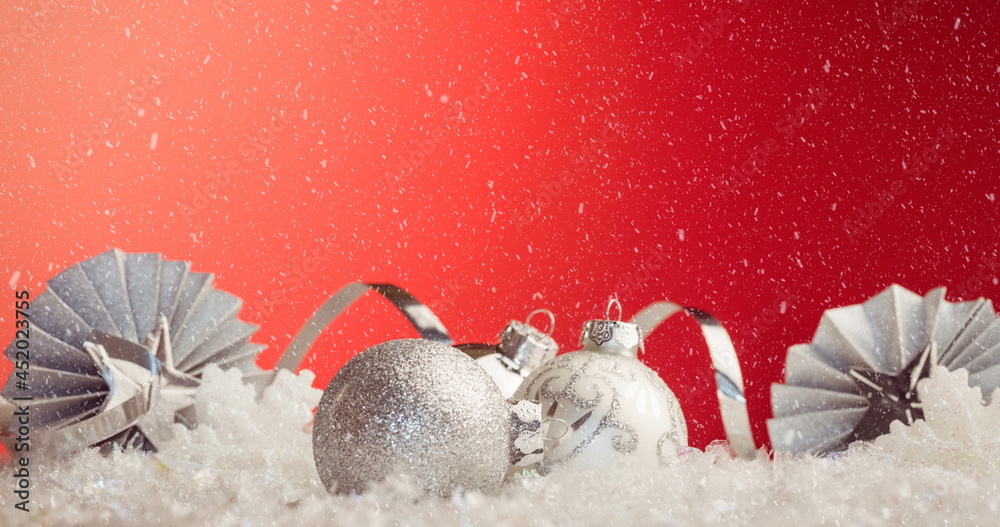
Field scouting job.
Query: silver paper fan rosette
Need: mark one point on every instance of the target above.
(860, 372)
(117, 347)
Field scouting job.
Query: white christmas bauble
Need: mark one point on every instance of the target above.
(505, 377)
(603, 405)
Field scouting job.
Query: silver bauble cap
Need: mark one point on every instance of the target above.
(525, 346)
(526, 433)
(612, 336)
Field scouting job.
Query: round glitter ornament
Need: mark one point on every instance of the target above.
(522, 349)
(601, 403)
(424, 409)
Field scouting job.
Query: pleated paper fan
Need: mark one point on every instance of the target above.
(117, 346)
(861, 369)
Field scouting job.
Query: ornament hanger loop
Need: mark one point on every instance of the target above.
(613, 302)
(552, 319)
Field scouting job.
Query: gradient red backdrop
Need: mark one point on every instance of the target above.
(753, 159)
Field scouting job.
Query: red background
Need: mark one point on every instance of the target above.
(502, 216)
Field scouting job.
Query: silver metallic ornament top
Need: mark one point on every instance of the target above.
(521, 349)
(612, 336)
(525, 347)
(527, 435)
(425, 409)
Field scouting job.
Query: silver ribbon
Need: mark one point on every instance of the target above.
(143, 377)
(728, 377)
(420, 317)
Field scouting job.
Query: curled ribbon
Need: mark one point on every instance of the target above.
(420, 316)
(728, 376)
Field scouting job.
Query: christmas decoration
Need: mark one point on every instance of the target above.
(521, 349)
(118, 344)
(862, 369)
(420, 317)
(249, 461)
(424, 409)
(602, 403)
(728, 375)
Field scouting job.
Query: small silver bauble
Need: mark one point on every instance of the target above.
(424, 409)
(522, 349)
(601, 403)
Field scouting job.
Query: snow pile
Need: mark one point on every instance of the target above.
(959, 433)
(250, 463)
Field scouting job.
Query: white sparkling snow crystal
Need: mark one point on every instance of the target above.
(250, 463)
(959, 432)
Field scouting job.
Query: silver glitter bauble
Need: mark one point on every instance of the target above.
(601, 403)
(424, 409)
